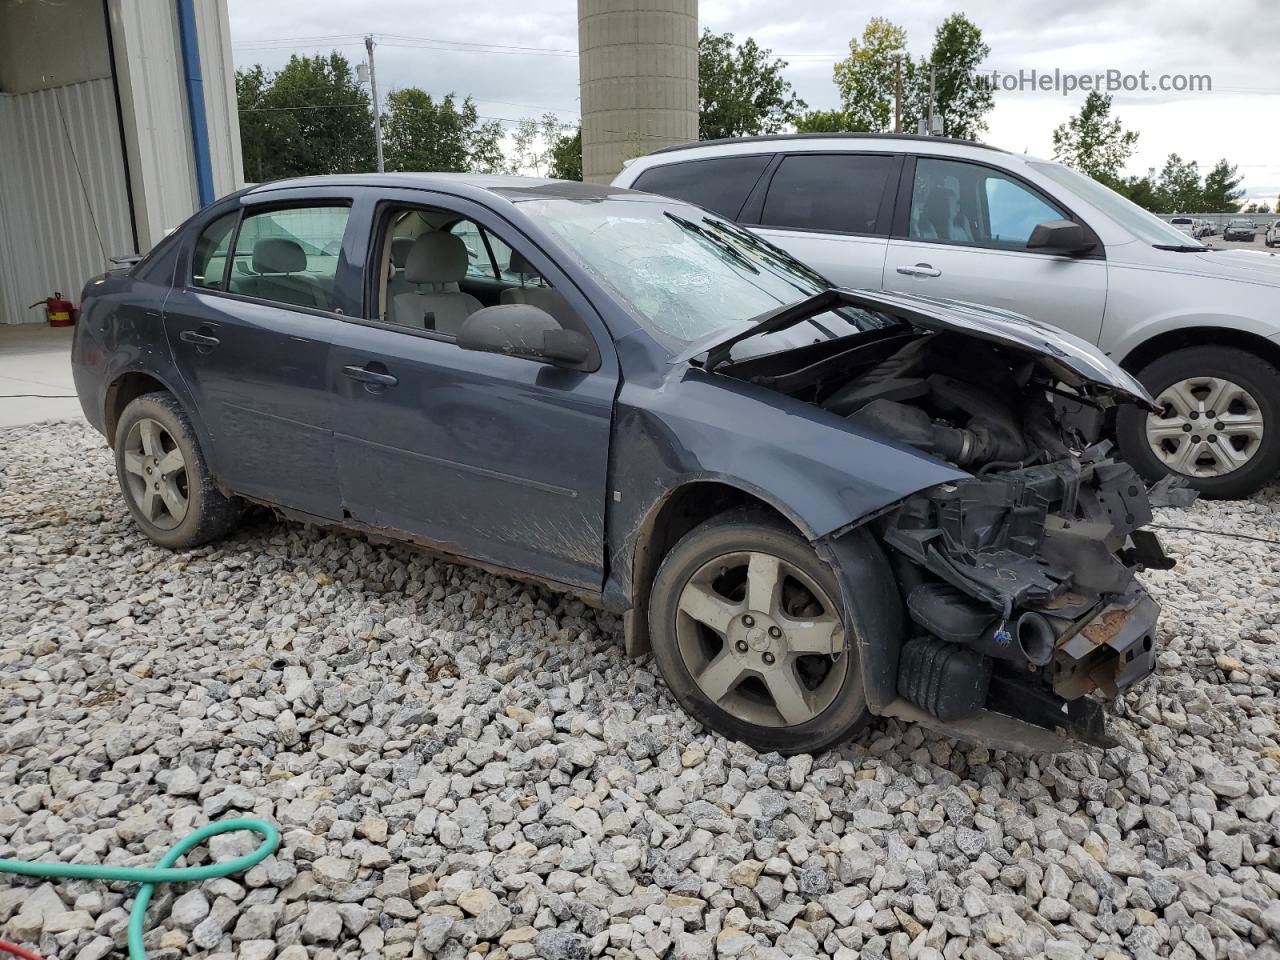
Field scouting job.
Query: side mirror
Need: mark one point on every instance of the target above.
(1062, 236)
(522, 330)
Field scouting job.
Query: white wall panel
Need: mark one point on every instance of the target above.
(63, 203)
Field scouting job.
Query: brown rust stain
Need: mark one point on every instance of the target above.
(1104, 628)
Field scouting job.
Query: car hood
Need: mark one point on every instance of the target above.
(1070, 359)
(1257, 266)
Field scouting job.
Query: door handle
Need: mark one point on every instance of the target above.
(369, 376)
(919, 270)
(199, 339)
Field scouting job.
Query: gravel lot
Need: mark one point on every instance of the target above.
(464, 767)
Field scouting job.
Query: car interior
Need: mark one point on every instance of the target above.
(439, 269)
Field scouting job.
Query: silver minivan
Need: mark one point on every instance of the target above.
(955, 219)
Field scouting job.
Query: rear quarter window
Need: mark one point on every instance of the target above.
(720, 184)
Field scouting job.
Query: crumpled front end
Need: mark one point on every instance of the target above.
(1021, 596)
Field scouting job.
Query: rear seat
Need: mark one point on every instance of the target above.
(278, 265)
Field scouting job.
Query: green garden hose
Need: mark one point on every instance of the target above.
(164, 872)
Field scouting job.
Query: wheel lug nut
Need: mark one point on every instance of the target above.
(1195, 416)
(742, 646)
(1217, 426)
(749, 621)
(1195, 438)
(775, 632)
(1213, 438)
(1186, 428)
(768, 658)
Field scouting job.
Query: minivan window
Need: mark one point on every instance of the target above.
(965, 203)
(720, 184)
(289, 256)
(838, 192)
(1142, 224)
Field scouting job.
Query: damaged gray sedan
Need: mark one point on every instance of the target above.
(812, 505)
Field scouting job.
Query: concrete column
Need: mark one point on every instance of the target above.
(638, 68)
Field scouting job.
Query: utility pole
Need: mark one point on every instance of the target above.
(933, 73)
(897, 94)
(377, 109)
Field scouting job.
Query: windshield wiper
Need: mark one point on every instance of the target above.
(718, 244)
(1181, 247)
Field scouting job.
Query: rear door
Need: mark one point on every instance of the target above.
(830, 210)
(482, 455)
(249, 328)
(961, 232)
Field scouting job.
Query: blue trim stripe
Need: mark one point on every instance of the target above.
(195, 100)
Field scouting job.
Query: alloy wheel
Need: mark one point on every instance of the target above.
(1207, 427)
(155, 472)
(761, 639)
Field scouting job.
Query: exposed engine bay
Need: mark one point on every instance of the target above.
(1017, 583)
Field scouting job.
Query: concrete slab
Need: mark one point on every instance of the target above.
(35, 375)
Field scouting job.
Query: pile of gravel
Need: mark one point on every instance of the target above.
(462, 766)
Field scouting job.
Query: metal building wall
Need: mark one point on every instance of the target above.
(638, 66)
(51, 140)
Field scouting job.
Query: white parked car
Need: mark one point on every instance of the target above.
(954, 219)
(1272, 238)
(1187, 225)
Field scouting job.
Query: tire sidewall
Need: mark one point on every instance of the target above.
(1251, 372)
(837, 723)
(163, 409)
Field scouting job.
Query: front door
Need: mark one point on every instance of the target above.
(962, 233)
(249, 330)
(486, 456)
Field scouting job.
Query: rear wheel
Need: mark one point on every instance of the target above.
(1219, 422)
(163, 476)
(750, 637)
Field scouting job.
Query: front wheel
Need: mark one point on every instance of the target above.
(1219, 422)
(749, 635)
(163, 476)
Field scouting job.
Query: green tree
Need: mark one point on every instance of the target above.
(827, 121)
(1094, 142)
(1142, 191)
(312, 117)
(866, 79)
(961, 96)
(1222, 191)
(741, 90)
(1179, 186)
(422, 134)
(566, 156)
(1264, 207)
(533, 148)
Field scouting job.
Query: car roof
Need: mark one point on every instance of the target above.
(789, 137)
(511, 188)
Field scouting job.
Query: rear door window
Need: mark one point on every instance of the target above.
(720, 184)
(209, 259)
(835, 192)
(290, 256)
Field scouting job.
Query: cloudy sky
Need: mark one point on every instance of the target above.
(1235, 42)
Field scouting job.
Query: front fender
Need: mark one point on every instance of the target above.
(697, 428)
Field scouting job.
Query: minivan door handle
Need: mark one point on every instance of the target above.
(365, 375)
(919, 270)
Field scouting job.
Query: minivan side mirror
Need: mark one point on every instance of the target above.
(523, 330)
(1062, 236)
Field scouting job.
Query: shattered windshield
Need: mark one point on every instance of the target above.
(687, 274)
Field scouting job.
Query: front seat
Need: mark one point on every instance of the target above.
(277, 263)
(435, 260)
(545, 298)
(397, 284)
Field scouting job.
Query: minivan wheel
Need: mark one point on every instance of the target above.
(162, 473)
(748, 633)
(1219, 423)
